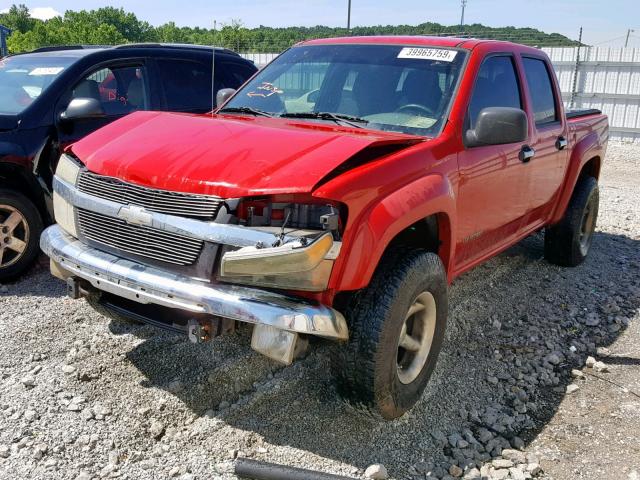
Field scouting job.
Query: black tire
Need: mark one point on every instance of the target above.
(567, 243)
(94, 299)
(13, 264)
(367, 368)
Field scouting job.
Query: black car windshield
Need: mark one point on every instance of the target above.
(25, 77)
(383, 87)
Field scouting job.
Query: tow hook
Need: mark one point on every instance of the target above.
(76, 288)
(203, 330)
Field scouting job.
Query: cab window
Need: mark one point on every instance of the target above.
(540, 86)
(496, 86)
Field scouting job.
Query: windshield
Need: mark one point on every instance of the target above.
(383, 87)
(25, 77)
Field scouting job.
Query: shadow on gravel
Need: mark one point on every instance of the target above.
(517, 326)
(36, 282)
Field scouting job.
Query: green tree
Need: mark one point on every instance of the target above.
(18, 19)
(109, 26)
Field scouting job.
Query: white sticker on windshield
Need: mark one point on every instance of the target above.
(428, 54)
(46, 71)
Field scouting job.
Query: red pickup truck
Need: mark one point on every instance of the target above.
(335, 195)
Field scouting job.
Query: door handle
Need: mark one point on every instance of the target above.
(526, 154)
(561, 143)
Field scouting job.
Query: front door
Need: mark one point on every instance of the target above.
(492, 199)
(120, 88)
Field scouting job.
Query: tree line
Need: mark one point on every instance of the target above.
(111, 26)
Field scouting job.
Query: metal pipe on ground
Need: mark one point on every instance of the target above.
(257, 470)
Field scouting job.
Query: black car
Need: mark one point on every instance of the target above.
(52, 97)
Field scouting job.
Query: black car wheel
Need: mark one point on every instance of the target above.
(20, 229)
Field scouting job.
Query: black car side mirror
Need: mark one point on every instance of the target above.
(498, 126)
(83, 108)
(223, 95)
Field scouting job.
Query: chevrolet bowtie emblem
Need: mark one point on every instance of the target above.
(135, 215)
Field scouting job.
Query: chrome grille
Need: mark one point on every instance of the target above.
(139, 240)
(161, 201)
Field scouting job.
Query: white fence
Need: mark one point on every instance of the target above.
(604, 78)
(590, 77)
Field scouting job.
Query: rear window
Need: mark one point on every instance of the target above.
(237, 73)
(25, 77)
(541, 90)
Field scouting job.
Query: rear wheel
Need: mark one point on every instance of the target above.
(20, 229)
(568, 243)
(397, 327)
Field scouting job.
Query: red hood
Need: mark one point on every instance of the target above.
(228, 156)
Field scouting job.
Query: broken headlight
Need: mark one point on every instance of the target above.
(306, 243)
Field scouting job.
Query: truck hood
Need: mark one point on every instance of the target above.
(224, 155)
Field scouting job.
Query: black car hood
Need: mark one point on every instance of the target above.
(8, 122)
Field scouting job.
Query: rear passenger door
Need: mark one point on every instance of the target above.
(492, 198)
(549, 162)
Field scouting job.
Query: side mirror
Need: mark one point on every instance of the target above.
(223, 95)
(498, 126)
(83, 108)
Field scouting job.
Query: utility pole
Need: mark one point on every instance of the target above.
(464, 4)
(349, 16)
(626, 42)
(574, 86)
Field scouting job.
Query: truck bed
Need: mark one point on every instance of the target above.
(581, 112)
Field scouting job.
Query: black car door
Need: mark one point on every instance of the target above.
(120, 87)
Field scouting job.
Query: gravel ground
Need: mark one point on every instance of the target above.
(512, 397)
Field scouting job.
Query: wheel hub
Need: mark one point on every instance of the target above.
(14, 236)
(586, 228)
(416, 337)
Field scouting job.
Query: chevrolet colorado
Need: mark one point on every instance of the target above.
(335, 195)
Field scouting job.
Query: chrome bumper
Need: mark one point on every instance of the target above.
(144, 284)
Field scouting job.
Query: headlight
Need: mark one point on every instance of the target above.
(289, 258)
(291, 266)
(65, 215)
(313, 228)
(68, 171)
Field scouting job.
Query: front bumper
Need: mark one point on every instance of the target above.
(149, 285)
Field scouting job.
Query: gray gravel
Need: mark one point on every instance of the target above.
(82, 398)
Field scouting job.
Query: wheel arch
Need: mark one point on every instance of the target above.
(421, 214)
(15, 177)
(591, 168)
(585, 160)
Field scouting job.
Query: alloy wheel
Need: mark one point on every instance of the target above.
(14, 235)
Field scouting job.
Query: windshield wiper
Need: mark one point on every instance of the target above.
(249, 110)
(336, 117)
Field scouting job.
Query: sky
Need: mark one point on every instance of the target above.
(605, 22)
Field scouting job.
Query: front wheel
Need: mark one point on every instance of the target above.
(20, 229)
(397, 327)
(568, 243)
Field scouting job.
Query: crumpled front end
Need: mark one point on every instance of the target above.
(208, 258)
